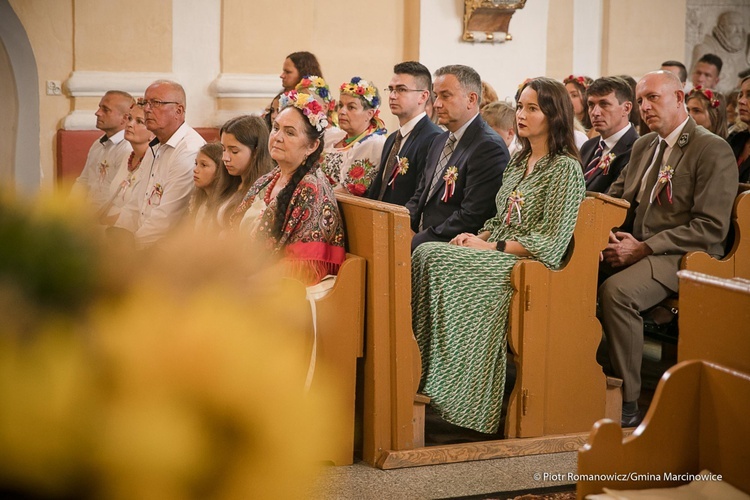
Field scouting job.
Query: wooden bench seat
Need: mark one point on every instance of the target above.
(698, 417)
(553, 312)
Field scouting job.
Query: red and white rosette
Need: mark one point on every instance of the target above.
(402, 166)
(665, 177)
(450, 178)
(515, 202)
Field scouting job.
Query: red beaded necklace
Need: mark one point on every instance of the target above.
(132, 167)
(269, 189)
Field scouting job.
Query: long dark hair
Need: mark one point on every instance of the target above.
(556, 105)
(306, 64)
(252, 132)
(310, 163)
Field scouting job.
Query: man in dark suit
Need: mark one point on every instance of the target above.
(609, 101)
(405, 151)
(464, 166)
(681, 183)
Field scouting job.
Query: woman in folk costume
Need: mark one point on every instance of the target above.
(292, 211)
(352, 153)
(461, 291)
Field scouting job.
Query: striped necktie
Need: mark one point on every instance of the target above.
(594, 163)
(444, 157)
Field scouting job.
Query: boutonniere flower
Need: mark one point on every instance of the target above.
(450, 178)
(515, 202)
(103, 166)
(665, 177)
(402, 166)
(605, 162)
(155, 197)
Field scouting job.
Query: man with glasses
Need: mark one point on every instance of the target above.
(108, 152)
(168, 166)
(464, 167)
(405, 151)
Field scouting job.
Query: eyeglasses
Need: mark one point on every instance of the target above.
(402, 90)
(153, 103)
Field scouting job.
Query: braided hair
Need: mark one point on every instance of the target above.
(310, 163)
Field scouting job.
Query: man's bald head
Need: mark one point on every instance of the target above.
(662, 101)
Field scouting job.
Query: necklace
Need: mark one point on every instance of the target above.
(132, 167)
(269, 189)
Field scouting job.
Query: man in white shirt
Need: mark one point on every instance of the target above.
(168, 166)
(405, 151)
(609, 101)
(108, 152)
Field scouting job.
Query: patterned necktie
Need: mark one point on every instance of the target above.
(444, 157)
(390, 164)
(594, 163)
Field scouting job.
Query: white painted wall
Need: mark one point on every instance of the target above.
(503, 65)
(587, 38)
(196, 43)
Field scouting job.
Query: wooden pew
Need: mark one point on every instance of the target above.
(714, 320)
(697, 420)
(737, 261)
(554, 333)
(552, 312)
(381, 234)
(338, 344)
(698, 417)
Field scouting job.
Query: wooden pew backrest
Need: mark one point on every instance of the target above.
(697, 420)
(737, 261)
(714, 320)
(381, 234)
(553, 332)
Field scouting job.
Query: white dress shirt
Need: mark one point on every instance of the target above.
(104, 158)
(167, 173)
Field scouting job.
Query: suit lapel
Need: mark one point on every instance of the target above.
(635, 188)
(676, 154)
(470, 135)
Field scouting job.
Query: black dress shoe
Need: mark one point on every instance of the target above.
(631, 420)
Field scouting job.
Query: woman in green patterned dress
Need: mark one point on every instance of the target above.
(461, 291)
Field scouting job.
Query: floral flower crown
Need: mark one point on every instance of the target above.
(580, 80)
(313, 84)
(707, 93)
(361, 88)
(309, 105)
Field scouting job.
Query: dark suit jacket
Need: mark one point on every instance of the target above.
(600, 182)
(414, 149)
(480, 157)
(704, 186)
(737, 141)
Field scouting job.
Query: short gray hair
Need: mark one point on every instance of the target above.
(467, 77)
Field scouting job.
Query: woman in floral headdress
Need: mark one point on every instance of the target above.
(316, 85)
(292, 210)
(461, 292)
(708, 109)
(352, 153)
(576, 87)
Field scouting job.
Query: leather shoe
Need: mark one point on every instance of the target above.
(631, 420)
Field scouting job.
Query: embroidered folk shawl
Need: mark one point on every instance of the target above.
(312, 238)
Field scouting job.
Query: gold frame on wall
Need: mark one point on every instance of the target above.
(489, 17)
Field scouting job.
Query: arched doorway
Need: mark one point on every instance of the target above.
(19, 131)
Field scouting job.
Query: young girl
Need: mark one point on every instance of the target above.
(213, 186)
(244, 141)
